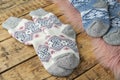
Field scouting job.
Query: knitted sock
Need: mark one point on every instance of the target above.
(95, 17)
(20, 29)
(113, 35)
(53, 26)
(51, 49)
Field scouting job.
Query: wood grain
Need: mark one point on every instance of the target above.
(23, 9)
(12, 52)
(20, 62)
(26, 69)
(7, 43)
(96, 73)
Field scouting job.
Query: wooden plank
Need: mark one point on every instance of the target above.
(56, 78)
(52, 8)
(13, 75)
(29, 70)
(87, 58)
(7, 4)
(13, 52)
(25, 70)
(4, 35)
(86, 53)
(1, 78)
(96, 73)
(23, 9)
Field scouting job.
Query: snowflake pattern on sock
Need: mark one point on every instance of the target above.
(95, 14)
(111, 2)
(88, 17)
(115, 22)
(54, 43)
(30, 28)
(58, 43)
(22, 36)
(26, 34)
(80, 3)
(43, 53)
(48, 22)
(114, 10)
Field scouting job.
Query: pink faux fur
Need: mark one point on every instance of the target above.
(108, 56)
(69, 11)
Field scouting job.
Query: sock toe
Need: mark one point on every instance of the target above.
(58, 71)
(113, 37)
(11, 23)
(68, 30)
(69, 61)
(97, 29)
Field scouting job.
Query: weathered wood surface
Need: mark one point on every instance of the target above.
(20, 62)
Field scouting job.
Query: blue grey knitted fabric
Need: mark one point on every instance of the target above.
(95, 17)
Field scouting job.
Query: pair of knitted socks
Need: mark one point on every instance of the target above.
(53, 41)
(100, 18)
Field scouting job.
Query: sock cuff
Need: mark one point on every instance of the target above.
(45, 19)
(11, 23)
(19, 29)
(40, 13)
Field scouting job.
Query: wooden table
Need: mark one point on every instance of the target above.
(20, 62)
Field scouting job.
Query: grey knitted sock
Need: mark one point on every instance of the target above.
(113, 35)
(50, 52)
(95, 16)
(69, 60)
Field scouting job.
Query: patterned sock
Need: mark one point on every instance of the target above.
(95, 17)
(113, 35)
(54, 26)
(50, 48)
(20, 29)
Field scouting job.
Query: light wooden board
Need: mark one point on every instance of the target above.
(20, 62)
(96, 73)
